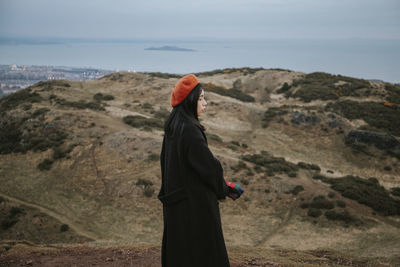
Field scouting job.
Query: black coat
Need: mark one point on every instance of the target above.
(192, 184)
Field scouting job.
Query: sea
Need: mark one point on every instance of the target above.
(373, 59)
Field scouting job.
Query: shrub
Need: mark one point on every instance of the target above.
(314, 212)
(148, 191)
(236, 143)
(387, 168)
(304, 205)
(40, 111)
(64, 228)
(270, 164)
(395, 191)
(82, 104)
(45, 164)
(23, 96)
(140, 122)
(271, 113)
(153, 157)
(285, 87)
(244, 70)
(308, 166)
(14, 211)
(331, 195)
(162, 113)
(320, 202)
(340, 216)
(341, 203)
(374, 113)
(163, 75)
(234, 93)
(366, 192)
(319, 85)
(297, 189)
(239, 166)
(214, 137)
(8, 222)
(233, 147)
(393, 93)
(100, 97)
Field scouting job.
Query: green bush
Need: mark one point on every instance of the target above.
(376, 114)
(270, 164)
(331, 195)
(153, 157)
(341, 203)
(148, 191)
(22, 135)
(82, 104)
(14, 211)
(272, 113)
(297, 189)
(163, 75)
(40, 111)
(162, 114)
(319, 85)
(141, 122)
(308, 166)
(304, 205)
(285, 87)
(393, 93)
(234, 93)
(244, 71)
(340, 216)
(100, 97)
(366, 192)
(23, 96)
(64, 227)
(241, 165)
(45, 164)
(312, 212)
(214, 137)
(395, 191)
(8, 223)
(320, 202)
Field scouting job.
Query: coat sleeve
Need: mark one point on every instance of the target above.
(202, 161)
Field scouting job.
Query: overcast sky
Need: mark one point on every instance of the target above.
(202, 18)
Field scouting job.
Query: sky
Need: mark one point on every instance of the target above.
(239, 19)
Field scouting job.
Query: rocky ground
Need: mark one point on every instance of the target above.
(25, 253)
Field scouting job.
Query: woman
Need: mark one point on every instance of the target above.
(192, 184)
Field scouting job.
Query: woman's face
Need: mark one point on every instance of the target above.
(201, 104)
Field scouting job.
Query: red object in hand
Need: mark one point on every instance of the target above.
(234, 190)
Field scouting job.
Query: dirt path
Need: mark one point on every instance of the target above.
(56, 215)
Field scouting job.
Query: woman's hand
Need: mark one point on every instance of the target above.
(234, 190)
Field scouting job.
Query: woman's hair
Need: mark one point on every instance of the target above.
(187, 110)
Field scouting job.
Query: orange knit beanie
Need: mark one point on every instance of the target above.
(182, 89)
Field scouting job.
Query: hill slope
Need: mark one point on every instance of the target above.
(86, 155)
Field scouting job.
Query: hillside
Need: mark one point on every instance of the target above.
(317, 154)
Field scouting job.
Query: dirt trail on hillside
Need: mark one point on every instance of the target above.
(56, 215)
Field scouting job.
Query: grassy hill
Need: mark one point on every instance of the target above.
(317, 154)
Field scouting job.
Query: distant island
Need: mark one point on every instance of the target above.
(170, 48)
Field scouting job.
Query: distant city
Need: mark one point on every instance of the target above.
(15, 77)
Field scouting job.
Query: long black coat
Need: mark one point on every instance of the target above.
(192, 184)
